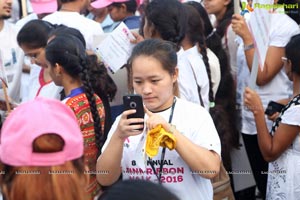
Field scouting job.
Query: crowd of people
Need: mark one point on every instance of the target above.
(66, 135)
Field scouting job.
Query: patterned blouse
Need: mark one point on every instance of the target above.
(78, 102)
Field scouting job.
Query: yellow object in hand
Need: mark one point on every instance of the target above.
(159, 137)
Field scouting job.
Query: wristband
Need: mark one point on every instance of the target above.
(248, 47)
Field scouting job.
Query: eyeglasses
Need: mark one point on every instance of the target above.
(284, 59)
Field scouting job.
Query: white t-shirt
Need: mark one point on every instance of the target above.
(282, 28)
(200, 75)
(196, 124)
(186, 80)
(89, 28)
(215, 70)
(37, 86)
(13, 57)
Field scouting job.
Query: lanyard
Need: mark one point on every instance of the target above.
(162, 158)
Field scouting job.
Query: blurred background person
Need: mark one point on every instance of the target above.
(102, 16)
(121, 11)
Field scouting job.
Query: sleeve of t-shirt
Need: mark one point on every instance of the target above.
(291, 116)
(110, 133)
(206, 135)
(281, 30)
(186, 82)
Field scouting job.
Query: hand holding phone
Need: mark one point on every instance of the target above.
(134, 101)
(273, 107)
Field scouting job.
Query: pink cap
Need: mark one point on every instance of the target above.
(44, 6)
(104, 3)
(33, 119)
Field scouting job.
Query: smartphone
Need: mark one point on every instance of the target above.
(134, 101)
(273, 107)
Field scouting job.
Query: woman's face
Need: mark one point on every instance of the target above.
(55, 73)
(216, 6)
(37, 56)
(154, 83)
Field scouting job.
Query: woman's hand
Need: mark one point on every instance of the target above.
(240, 27)
(274, 116)
(154, 120)
(252, 101)
(138, 38)
(129, 127)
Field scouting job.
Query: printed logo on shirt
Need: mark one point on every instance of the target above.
(170, 173)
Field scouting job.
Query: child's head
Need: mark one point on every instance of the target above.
(41, 144)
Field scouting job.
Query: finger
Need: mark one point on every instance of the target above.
(237, 16)
(274, 116)
(136, 127)
(148, 112)
(247, 90)
(127, 112)
(135, 34)
(135, 121)
(136, 37)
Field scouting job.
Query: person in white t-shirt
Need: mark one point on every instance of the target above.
(188, 168)
(166, 19)
(33, 38)
(272, 82)
(281, 148)
(69, 15)
(11, 56)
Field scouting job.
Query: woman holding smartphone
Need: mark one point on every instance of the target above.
(281, 148)
(196, 158)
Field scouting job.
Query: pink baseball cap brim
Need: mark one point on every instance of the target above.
(104, 3)
(35, 118)
(44, 6)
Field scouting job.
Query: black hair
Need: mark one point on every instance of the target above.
(69, 52)
(208, 28)
(136, 190)
(62, 29)
(195, 33)
(168, 18)
(163, 51)
(226, 20)
(35, 34)
(292, 53)
(131, 5)
(104, 86)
